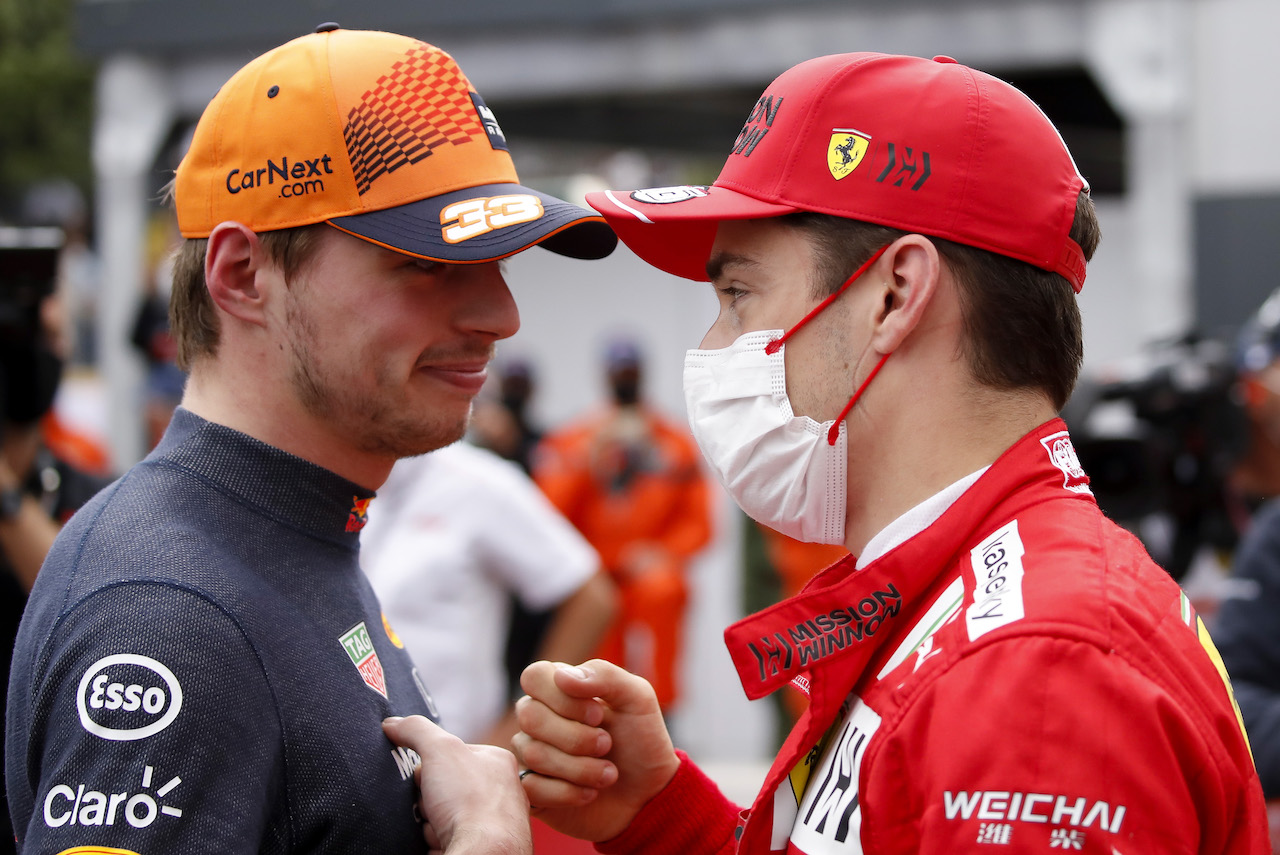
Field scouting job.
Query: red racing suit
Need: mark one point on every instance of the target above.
(1019, 676)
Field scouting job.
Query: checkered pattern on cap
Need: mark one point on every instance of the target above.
(407, 114)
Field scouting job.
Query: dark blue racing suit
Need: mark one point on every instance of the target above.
(202, 667)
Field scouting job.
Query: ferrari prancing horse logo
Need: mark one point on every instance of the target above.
(845, 151)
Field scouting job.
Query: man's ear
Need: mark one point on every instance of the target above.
(233, 261)
(914, 269)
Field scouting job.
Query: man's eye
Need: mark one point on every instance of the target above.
(426, 265)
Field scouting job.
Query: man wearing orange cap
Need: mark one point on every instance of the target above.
(202, 666)
(896, 244)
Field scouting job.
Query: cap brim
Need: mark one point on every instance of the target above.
(484, 223)
(673, 228)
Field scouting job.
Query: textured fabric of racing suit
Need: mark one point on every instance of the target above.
(203, 668)
(1018, 676)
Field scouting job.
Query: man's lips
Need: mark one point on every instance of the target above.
(468, 375)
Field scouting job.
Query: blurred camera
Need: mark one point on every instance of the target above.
(1158, 439)
(29, 370)
(28, 270)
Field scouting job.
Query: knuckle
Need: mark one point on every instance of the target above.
(504, 759)
(535, 754)
(582, 795)
(585, 741)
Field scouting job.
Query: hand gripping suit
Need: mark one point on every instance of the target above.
(1019, 676)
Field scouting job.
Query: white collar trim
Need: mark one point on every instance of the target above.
(916, 520)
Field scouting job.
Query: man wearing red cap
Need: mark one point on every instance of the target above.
(202, 666)
(896, 244)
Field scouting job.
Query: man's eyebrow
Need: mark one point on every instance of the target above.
(720, 260)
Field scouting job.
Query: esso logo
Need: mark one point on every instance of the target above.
(126, 696)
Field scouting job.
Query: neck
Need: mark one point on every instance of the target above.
(279, 420)
(899, 458)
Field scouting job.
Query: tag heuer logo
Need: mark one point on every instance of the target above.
(845, 151)
(360, 648)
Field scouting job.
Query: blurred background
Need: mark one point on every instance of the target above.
(1167, 105)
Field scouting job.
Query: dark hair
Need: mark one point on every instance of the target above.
(1022, 325)
(192, 318)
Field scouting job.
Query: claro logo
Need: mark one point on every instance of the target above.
(80, 805)
(126, 696)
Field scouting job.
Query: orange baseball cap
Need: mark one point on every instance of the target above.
(379, 135)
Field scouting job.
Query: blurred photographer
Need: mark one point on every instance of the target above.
(1248, 627)
(45, 470)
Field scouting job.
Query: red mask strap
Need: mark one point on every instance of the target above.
(772, 347)
(834, 433)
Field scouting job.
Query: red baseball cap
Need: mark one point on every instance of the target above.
(925, 146)
(379, 135)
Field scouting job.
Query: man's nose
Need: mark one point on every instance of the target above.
(492, 309)
(720, 335)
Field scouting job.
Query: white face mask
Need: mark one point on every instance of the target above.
(785, 471)
(778, 467)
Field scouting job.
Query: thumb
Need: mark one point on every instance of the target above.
(621, 690)
(416, 732)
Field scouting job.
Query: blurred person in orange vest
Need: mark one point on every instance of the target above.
(630, 481)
